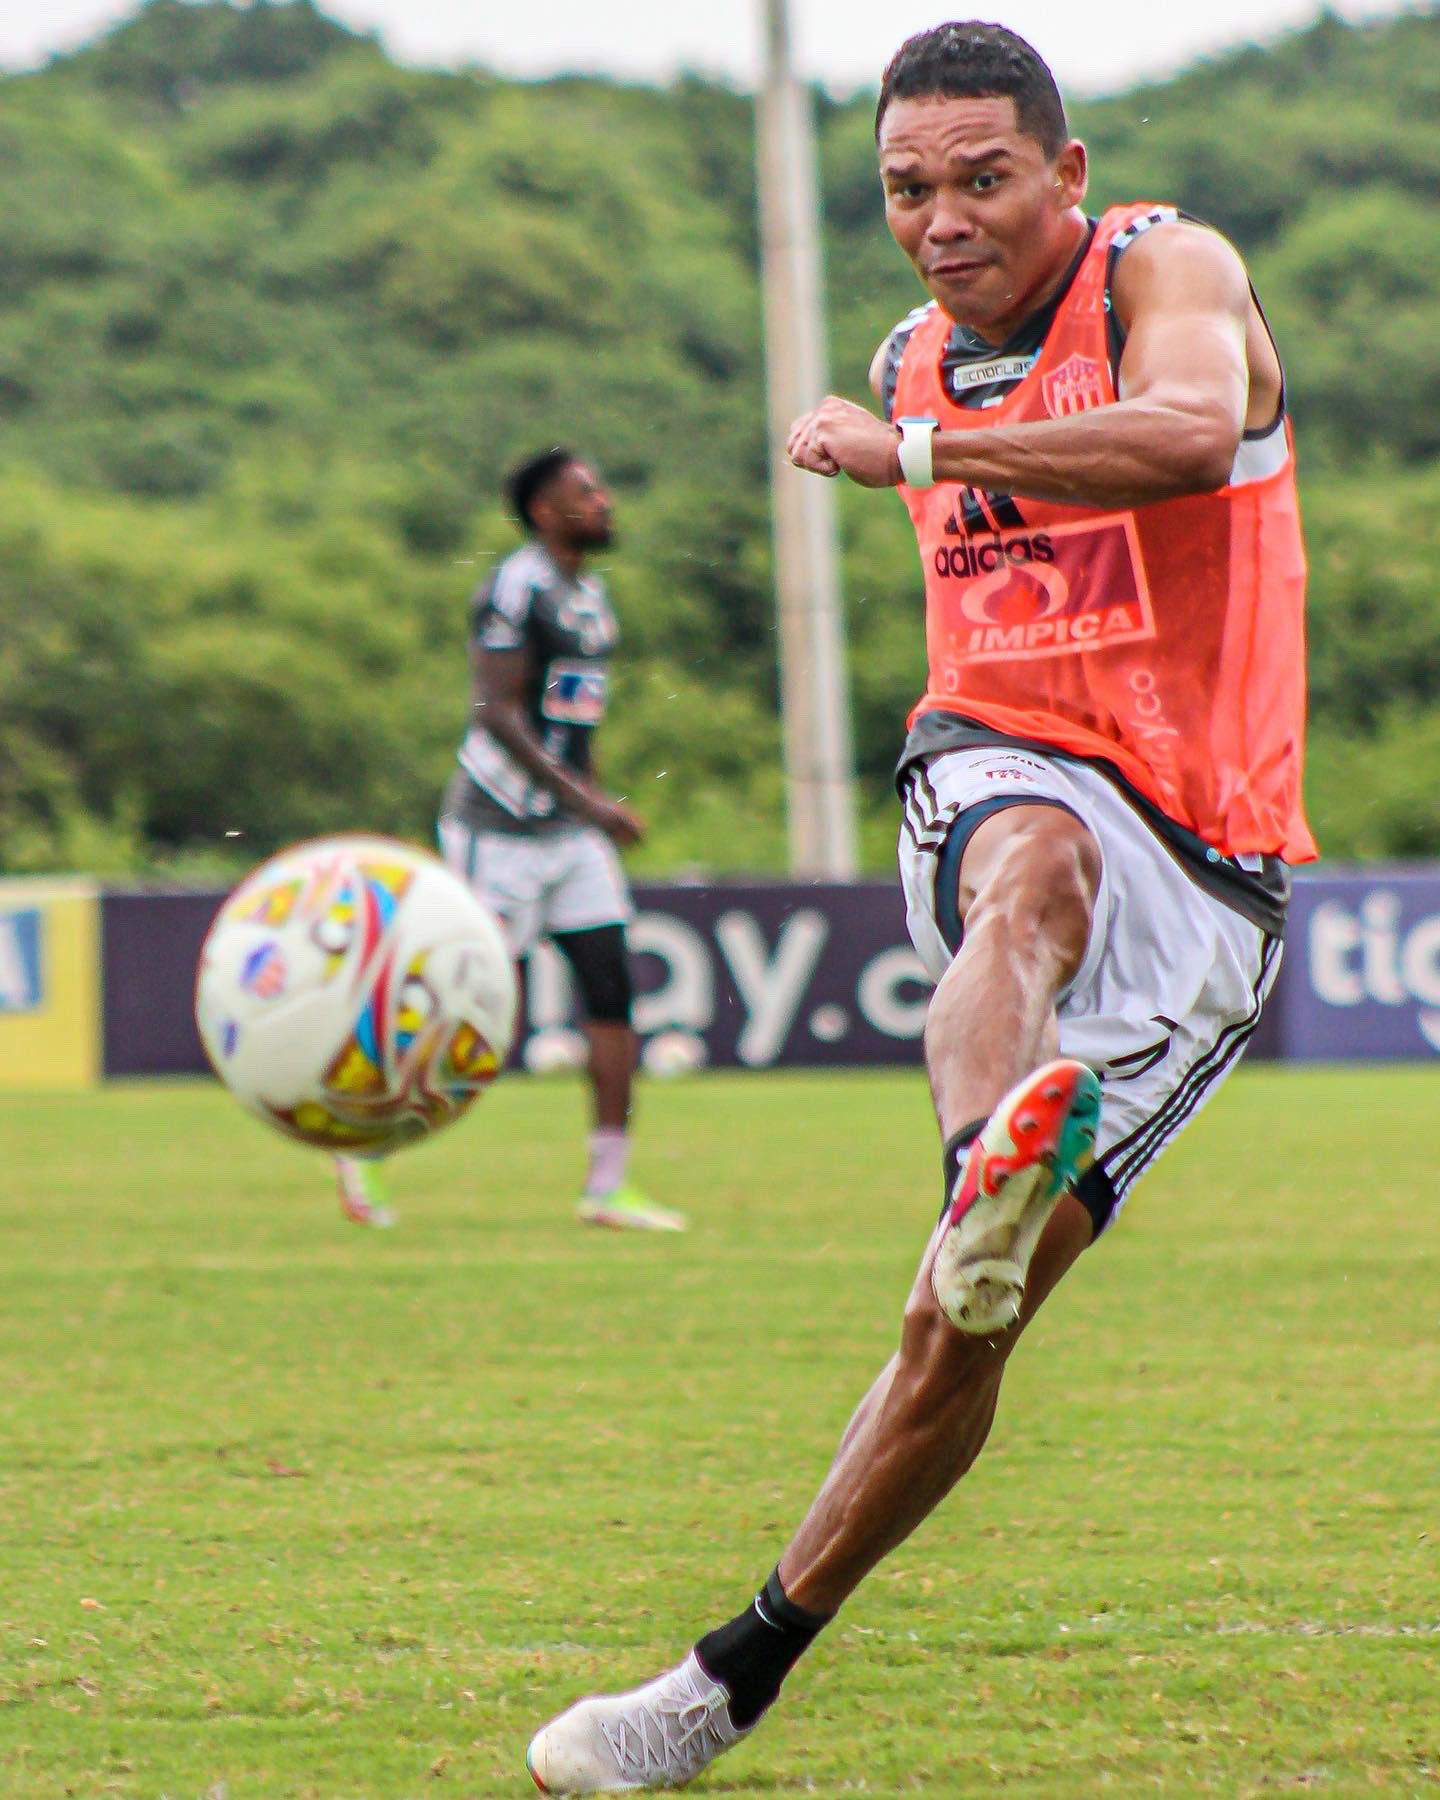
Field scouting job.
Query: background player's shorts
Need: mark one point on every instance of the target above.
(557, 881)
(1172, 980)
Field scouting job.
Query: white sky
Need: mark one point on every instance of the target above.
(1100, 47)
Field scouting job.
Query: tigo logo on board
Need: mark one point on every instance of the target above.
(21, 984)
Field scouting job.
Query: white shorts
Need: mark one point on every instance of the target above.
(558, 881)
(1172, 981)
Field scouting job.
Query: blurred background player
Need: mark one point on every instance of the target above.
(525, 821)
(1101, 783)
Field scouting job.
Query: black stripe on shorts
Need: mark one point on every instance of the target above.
(924, 817)
(1125, 1161)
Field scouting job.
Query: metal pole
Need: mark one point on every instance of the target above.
(814, 689)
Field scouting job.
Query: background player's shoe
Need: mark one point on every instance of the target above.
(363, 1199)
(657, 1736)
(627, 1209)
(1034, 1144)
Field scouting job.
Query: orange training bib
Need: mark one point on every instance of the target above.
(1165, 639)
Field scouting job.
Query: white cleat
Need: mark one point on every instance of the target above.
(657, 1736)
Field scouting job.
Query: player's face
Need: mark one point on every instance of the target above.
(576, 507)
(988, 219)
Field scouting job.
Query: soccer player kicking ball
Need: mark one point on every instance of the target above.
(1101, 783)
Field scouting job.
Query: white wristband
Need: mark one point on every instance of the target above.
(916, 462)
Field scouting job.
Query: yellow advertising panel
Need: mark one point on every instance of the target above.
(49, 984)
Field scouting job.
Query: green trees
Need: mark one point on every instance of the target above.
(275, 315)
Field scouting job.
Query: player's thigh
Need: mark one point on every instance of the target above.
(1004, 824)
(585, 885)
(1027, 882)
(506, 872)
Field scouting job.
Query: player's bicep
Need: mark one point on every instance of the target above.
(500, 676)
(1184, 302)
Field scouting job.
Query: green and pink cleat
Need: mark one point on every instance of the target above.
(626, 1209)
(1038, 1141)
(364, 1199)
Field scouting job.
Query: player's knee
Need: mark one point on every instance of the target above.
(601, 966)
(941, 1362)
(1038, 898)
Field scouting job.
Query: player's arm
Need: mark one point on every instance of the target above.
(876, 377)
(500, 681)
(1182, 295)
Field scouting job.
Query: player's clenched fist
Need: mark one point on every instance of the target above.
(840, 437)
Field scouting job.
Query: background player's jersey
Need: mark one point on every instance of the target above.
(566, 625)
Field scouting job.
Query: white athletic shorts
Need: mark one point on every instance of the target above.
(1172, 980)
(559, 881)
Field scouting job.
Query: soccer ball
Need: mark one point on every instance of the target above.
(555, 1050)
(673, 1053)
(355, 994)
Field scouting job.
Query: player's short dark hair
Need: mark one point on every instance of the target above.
(970, 60)
(525, 484)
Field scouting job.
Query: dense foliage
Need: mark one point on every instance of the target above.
(275, 314)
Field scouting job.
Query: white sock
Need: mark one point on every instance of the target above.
(609, 1151)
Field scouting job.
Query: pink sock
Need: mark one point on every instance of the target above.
(609, 1149)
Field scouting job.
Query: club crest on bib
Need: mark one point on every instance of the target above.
(1076, 386)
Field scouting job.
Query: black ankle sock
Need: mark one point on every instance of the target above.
(952, 1158)
(754, 1653)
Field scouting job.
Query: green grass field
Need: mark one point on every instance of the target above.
(291, 1509)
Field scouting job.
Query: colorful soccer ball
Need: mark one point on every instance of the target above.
(355, 994)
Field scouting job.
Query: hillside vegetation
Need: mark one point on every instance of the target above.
(275, 314)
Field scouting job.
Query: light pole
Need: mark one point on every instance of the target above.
(814, 690)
